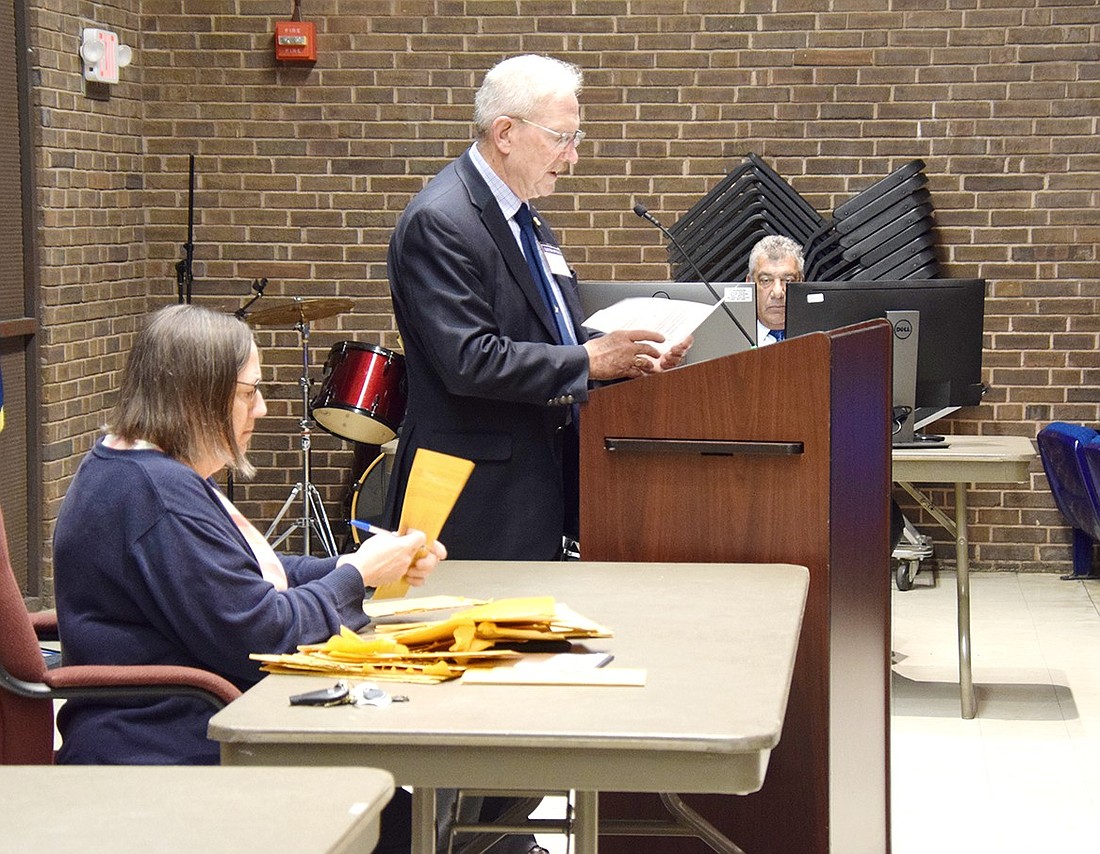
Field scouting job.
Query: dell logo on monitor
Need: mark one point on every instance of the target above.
(903, 329)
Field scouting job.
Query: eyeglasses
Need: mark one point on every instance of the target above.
(563, 138)
(769, 281)
(253, 390)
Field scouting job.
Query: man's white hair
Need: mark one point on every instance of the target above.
(775, 247)
(518, 87)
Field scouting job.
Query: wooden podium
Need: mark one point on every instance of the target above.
(778, 454)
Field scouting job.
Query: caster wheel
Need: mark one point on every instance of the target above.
(902, 577)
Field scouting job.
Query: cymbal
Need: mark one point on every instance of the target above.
(300, 310)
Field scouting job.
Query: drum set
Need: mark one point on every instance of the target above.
(362, 399)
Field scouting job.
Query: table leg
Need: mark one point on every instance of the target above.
(586, 822)
(962, 581)
(957, 528)
(423, 820)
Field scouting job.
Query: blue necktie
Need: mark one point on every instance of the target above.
(534, 263)
(778, 334)
(538, 273)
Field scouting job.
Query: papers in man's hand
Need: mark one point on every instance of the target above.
(676, 319)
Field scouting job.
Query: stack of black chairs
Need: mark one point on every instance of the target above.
(885, 232)
(721, 228)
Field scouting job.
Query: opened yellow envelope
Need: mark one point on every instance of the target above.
(524, 608)
(441, 649)
(435, 482)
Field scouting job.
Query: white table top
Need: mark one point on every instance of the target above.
(113, 809)
(967, 459)
(717, 642)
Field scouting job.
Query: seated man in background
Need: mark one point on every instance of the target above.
(774, 262)
(154, 565)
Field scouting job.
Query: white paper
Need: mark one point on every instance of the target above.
(676, 319)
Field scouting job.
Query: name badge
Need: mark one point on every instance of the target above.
(556, 261)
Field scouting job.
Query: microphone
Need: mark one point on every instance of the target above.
(640, 210)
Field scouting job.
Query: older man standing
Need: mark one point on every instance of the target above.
(496, 356)
(488, 310)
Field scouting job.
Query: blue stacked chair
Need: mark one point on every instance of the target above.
(1071, 460)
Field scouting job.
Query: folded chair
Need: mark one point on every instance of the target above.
(28, 689)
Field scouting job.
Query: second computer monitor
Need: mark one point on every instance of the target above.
(717, 336)
(951, 314)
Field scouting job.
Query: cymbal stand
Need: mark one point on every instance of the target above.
(313, 518)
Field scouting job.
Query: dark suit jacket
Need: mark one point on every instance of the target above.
(487, 379)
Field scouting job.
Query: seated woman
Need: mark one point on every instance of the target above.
(154, 565)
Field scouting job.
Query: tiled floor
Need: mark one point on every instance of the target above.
(1024, 776)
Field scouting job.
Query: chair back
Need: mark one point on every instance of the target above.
(1090, 452)
(1062, 450)
(26, 725)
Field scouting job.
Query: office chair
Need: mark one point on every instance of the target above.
(1069, 466)
(28, 688)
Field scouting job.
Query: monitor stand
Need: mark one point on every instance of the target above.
(924, 440)
(906, 326)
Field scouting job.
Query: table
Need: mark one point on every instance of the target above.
(717, 641)
(965, 460)
(113, 809)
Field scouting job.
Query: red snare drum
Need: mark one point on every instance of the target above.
(362, 396)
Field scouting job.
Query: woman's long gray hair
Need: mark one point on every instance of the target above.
(180, 382)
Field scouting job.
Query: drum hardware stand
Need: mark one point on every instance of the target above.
(258, 286)
(313, 518)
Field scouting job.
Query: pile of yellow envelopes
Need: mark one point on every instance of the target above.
(438, 650)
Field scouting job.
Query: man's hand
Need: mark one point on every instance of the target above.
(674, 356)
(623, 353)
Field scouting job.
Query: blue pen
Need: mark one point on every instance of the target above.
(369, 528)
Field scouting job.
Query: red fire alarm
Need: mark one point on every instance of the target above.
(295, 40)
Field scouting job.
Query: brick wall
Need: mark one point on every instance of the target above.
(302, 172)
(90, 233)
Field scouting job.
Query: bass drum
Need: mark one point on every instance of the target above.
(363, 393)
(368, 496)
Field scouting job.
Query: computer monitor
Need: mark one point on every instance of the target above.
(718, 335)
(944, 315)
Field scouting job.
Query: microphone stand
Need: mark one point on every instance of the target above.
(184, 274)
(640, 210)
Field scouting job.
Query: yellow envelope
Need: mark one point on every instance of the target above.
(435, 482)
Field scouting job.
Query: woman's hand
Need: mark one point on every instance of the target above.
(385, 558)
